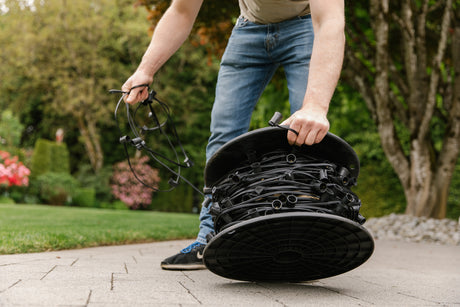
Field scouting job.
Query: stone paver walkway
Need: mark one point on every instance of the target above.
(398, 274)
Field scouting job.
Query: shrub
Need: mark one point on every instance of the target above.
(181, 200)
(41, 158)
(128, 189)
(13, 176)
(56, 188)
(50, 157)
(99, 181)
(12, 172)
(6, 200)
(379, 191)
(59, 158)
(85, 197)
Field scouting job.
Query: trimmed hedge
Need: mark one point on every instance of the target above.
(49, 157)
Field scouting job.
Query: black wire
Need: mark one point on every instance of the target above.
(142, 146)
(283, 182)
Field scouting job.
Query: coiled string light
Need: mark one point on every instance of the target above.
(282, 182)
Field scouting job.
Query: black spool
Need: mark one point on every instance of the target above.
(293, 218)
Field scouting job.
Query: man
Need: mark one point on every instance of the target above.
(306, 37)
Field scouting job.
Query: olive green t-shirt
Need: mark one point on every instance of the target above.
(272, 11)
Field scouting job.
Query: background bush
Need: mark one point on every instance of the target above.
(55, 188)
(181, 199)
(84, 197)
(51, 157)
(132, 180)
(99, 182)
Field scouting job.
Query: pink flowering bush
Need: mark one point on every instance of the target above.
(128, 189)
(12, 172)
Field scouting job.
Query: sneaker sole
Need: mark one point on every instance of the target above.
(183, 267)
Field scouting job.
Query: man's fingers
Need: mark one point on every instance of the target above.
(136, 94)
(311, 137)
(291, 136)
(320, 136)
(307, 134)
(131, 97)
(302, 136)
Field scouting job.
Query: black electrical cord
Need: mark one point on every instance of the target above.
(282, 182)
(140, 132)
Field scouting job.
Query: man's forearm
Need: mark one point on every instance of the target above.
(311, 121)
(325, 65)
(170, 33)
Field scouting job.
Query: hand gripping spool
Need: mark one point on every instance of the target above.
(284, 213)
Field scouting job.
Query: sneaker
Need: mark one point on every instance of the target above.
(190, 258)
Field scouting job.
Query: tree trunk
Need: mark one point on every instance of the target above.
(90, 136)
(418, 193)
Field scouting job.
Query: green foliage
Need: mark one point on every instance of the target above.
(16, 194)
(180, 200)
(453, 202)
(6, 200)
(10, 130)
(275, 98)
(60, 158)
(99, 182)
(379, 191)
(84, 197)
(41, 159)
(50, 157)
(55, 188)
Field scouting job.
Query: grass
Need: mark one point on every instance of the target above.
(37, 228)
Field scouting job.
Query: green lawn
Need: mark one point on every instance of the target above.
(36, 228)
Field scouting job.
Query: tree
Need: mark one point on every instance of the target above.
(212, 27)
(68, 54)
(406, 66)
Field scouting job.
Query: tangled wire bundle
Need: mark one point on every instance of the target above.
(281, 182)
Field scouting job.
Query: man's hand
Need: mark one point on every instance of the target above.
(136, 94)
(311, 124)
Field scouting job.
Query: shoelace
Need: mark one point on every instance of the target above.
(189, 248)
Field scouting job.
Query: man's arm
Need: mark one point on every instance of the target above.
(170, 33)
(325, 66)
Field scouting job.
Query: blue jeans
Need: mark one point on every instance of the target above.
(253, 54)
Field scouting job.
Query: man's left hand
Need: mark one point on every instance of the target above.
(311, 124)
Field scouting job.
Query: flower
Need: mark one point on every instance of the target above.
(127, 188)
(12, 171)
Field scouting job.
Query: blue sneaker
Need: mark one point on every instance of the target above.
(190, 258)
